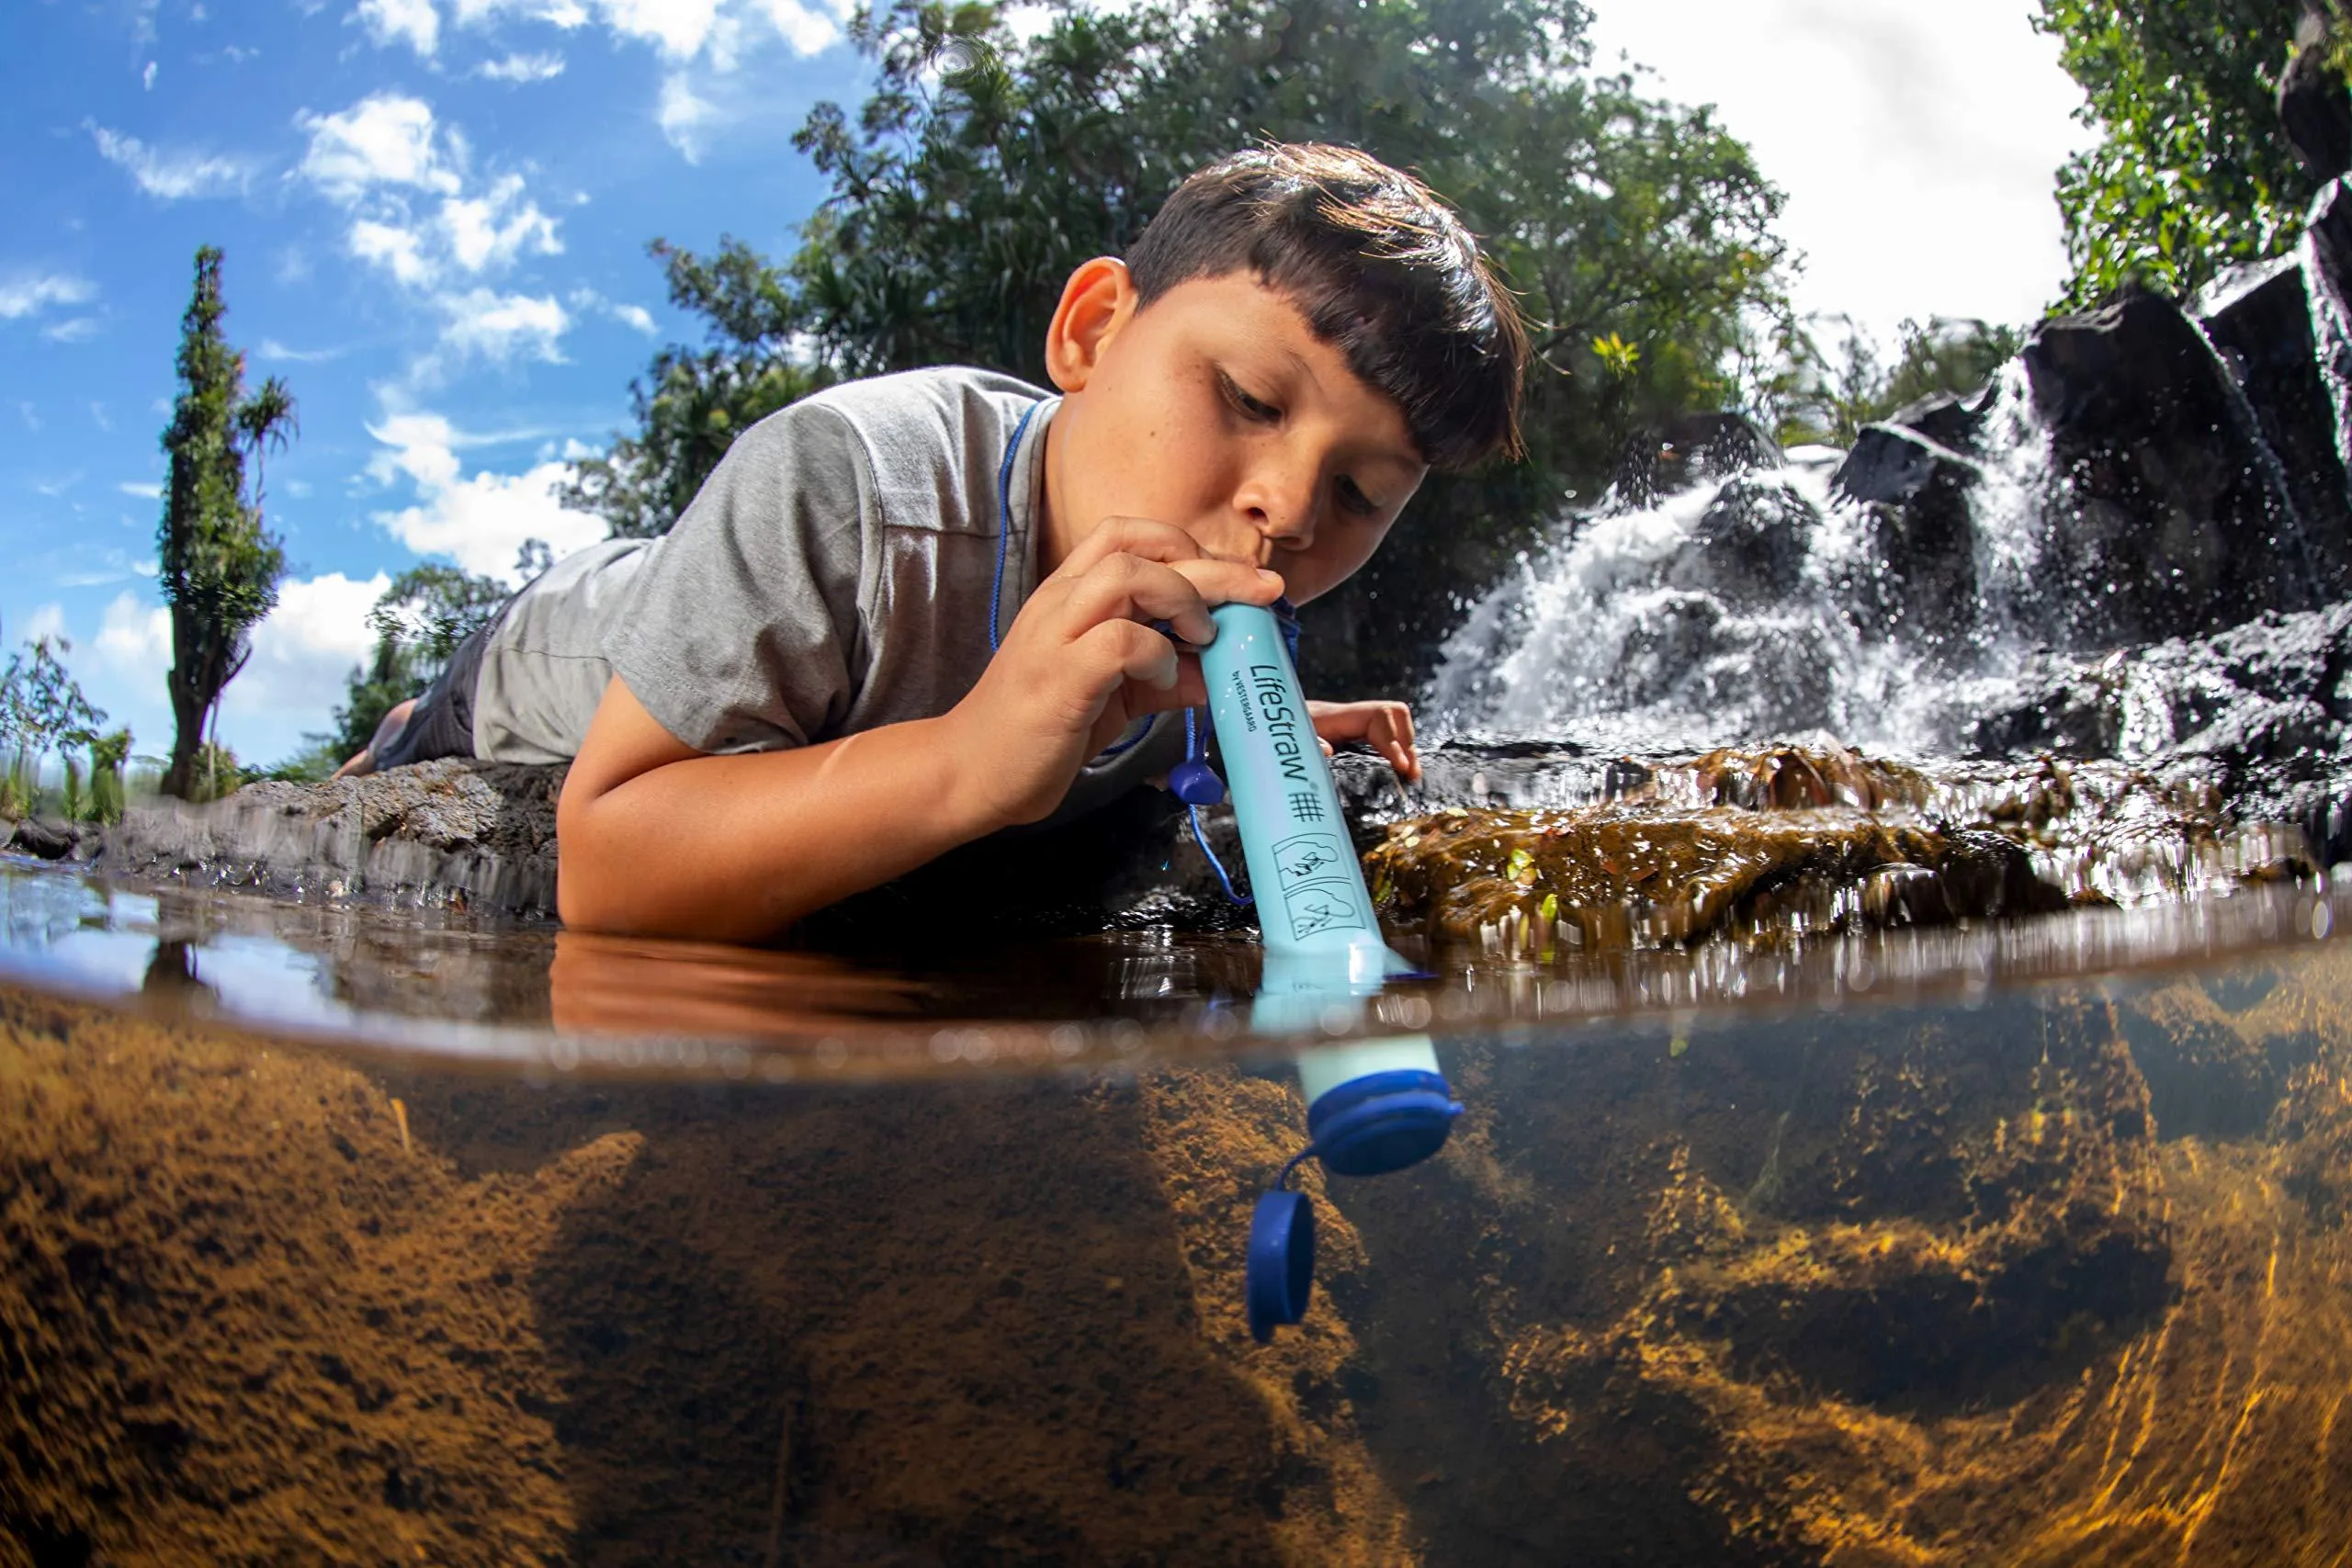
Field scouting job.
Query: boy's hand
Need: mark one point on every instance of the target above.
(1385, 727)
(1080, 663)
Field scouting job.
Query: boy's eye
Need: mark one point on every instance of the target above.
(1252, 408)
(1353, 497)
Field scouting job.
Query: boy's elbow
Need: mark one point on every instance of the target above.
(586, 887)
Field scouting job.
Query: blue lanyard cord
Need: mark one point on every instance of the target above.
(1004, 519)
(1284, 613)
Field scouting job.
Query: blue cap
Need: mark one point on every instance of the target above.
(1196, 784)
(1281, 1268)
(1382, 1121)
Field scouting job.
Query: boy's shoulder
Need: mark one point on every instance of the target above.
(909, 418)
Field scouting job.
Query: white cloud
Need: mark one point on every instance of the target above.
(56, 489)
(679, 30)
(684, 117)
(810, 29)
(74, 329)
(504, 327)
(143, 492)
(412, 22)
(271, 349)
(147, 77)
(398, 251)
(27, 293)
(522, 68)
(172, 175)
(376, 157)
(1918, 157)
(302, 655)
(383, 139)
(480, 522)
(135, 637)
(636, 318)
(493, 229)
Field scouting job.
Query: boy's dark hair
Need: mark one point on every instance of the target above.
(1383, 271)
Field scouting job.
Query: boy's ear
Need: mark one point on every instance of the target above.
(1095, 304)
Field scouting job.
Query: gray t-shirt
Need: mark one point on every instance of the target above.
(833, 575)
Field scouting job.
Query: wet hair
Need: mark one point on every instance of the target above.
(1383, 271)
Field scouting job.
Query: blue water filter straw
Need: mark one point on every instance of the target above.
(1373, 1106)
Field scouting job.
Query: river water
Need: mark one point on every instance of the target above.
(1876, 1148)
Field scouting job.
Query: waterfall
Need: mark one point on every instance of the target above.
(1760, 606)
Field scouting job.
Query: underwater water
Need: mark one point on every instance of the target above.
(341, 1234)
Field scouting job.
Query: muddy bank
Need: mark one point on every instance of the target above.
(2061, 1279)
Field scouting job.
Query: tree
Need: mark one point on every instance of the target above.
(2191, 172)
(41, 710)
(1949, 355)
(219, 567)
(984, 166)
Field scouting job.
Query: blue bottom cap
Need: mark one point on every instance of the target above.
(1281, 1269)
(1196, 784)
(1382, 1121)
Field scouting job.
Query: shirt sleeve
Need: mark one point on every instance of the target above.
(744, 633)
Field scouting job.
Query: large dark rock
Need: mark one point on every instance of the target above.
(2259, 322)
(2316, 112)
(49, 838)
(2264, 710)
(1749, 548)
(2175, 519)
(1917, 491)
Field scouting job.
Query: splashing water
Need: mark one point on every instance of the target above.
(1764, 606)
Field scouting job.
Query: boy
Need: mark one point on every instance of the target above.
(908, 612)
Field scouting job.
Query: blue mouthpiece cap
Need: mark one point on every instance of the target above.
(1382, 1121)
(1281, 1265)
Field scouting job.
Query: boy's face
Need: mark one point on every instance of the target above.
(1218, 411)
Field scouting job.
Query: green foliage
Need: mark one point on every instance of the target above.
(215, 773)
(108, 752)
(985, 167)
(2192, 173)
(690, 405)
(314, 763)
(1948, 355)
(42, 710)
(220, 567)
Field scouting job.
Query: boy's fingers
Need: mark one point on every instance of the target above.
(1220, 581)
(1230, 583)
(1130, 588)
(1133, 587)
(1120, 649)
(1129, 535)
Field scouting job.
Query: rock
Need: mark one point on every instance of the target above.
(2259, 321)
(1671, 458)
(2316, 112)
(1917, 490)
(50, 838)
(1749, 548)
(1947, 420)
(481, 834)
(2159, 462)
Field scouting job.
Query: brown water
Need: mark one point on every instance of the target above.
(334, 1235)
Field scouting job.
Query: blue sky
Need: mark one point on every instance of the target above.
(435, 212)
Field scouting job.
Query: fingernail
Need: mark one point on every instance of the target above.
(1269, 576)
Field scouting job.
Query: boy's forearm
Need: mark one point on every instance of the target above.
(738, 847)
